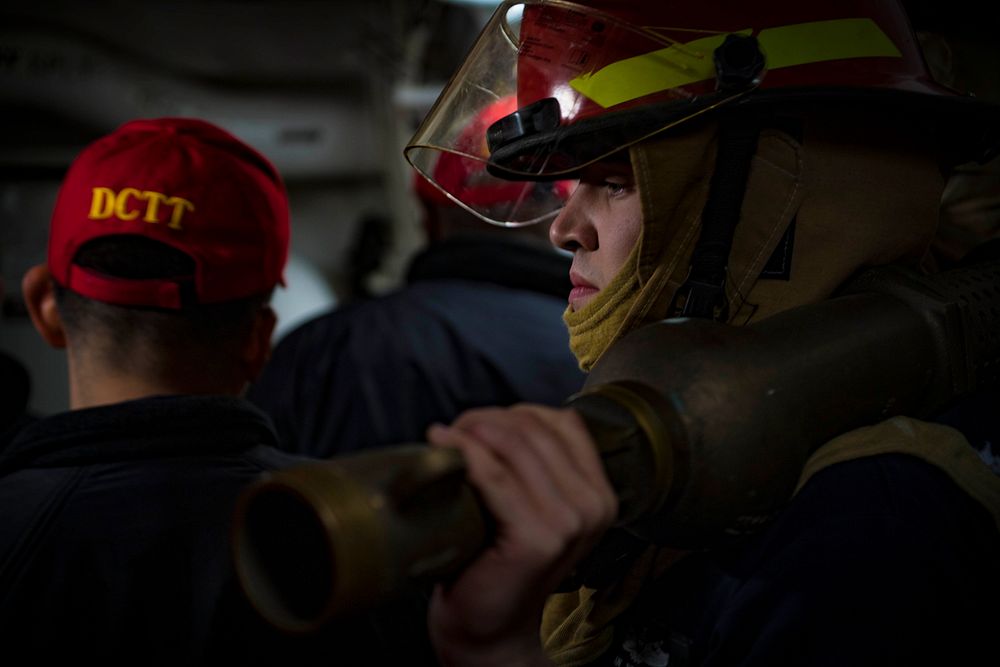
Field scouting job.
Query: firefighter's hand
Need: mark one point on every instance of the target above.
(539, 474)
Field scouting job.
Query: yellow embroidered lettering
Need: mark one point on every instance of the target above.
(121, 204)
(130, 203)
(102, 203)
(180, 205)
(153, 208)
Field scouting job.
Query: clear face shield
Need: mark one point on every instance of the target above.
(550, 87)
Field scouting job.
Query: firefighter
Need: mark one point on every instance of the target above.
(734, 160)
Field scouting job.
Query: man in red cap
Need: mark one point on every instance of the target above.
(167, 239)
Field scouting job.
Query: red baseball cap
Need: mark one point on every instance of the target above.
(182, 182)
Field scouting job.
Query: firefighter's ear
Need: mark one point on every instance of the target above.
(40, 298)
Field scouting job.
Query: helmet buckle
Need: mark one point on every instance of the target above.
(701, 299)
(739, 62)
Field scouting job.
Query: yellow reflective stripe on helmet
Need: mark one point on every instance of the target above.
(821, 41)
(636, 77)
(785, 46)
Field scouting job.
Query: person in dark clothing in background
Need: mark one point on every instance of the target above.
(14, 394)
(478, 323)
(15, 391)
(167, 239)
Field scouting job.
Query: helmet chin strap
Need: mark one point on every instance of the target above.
(739, 63)
(703, 293)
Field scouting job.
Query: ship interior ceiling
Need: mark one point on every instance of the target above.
(329, 91)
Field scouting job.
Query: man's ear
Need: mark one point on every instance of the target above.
(257, 349)
(40, 299)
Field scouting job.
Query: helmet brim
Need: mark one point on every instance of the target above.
(957, 129)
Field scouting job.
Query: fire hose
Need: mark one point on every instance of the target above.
(702, 428)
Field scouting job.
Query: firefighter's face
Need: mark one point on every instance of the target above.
(599, 224)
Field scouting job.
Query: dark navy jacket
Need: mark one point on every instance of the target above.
(114, 542)
(15, 389)
(878, 561)
(479, 324)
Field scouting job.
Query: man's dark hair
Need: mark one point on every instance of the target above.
(201, 330)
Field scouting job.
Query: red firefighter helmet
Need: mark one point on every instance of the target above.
(458, 178)
(596, 76)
